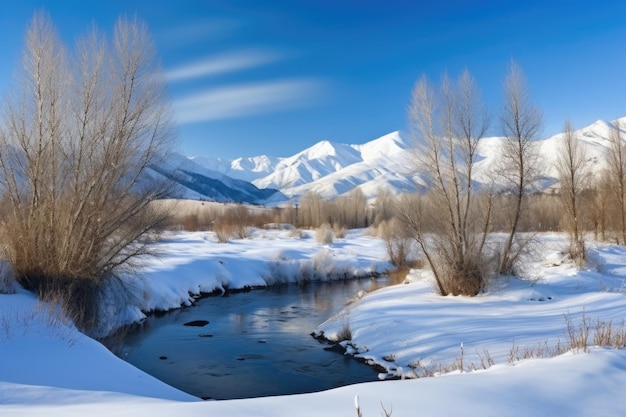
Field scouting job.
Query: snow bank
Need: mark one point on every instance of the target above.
(409, 330)
(40, 348)
(191, 263)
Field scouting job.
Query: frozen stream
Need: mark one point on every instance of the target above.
(255, 344)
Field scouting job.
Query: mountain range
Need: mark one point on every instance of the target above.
(332, 169)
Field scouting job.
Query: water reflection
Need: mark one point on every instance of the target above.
(256, 343)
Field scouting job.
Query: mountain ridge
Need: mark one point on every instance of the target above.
(332, 169)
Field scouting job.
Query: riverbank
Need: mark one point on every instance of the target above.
(514, 319)
(193, 263)
(47, 367)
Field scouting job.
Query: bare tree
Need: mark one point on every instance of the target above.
(574, 176)
(383, 206)
(448, 124)
(521, 125)
(311, 211)
(617, 174)
(354, 209)
(77, 138)
(600, 198)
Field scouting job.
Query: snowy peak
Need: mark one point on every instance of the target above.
(316, 162)
(247, 169)
(599, 131)
(332, 169)
(261, 164)
(389, 145)
(327, 150)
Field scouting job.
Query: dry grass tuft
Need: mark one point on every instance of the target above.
(324, 234)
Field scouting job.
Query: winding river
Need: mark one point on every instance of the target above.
(255, 344)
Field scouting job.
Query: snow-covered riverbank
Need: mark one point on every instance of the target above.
(192, 263)
(48, 368)
(411, 331)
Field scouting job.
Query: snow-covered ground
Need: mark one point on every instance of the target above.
(49, 368)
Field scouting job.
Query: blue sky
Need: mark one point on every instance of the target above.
(273, 77)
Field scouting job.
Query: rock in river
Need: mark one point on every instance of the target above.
(197, 323)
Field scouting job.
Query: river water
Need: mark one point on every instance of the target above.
(256, 343)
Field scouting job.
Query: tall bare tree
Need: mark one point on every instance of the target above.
(76, 140)
(383, 205)
(353, 207)
(448, 124)
(574, 177)
(521, 124)
(617, 174)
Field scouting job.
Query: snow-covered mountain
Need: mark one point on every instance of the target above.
(329, 168)
(194, 181)
(332, 169)
(594, 140)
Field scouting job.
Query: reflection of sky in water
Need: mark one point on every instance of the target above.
(256, 343)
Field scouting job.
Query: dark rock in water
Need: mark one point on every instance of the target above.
(163, 358)
(197, 323)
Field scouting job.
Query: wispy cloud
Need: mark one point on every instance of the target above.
(201, 30)
(248, 99)
(225, 63)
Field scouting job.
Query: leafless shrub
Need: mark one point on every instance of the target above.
(324, 234)
(243, 232)
(324, 266)
(602, 335)
(397, 242)
(618, 339)
(190, 222)
(345, 333)
(340, 232)
(486, 361)
(541, 350)
(605, 334)
(578, 336)
(223, 232)
(77, 139)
